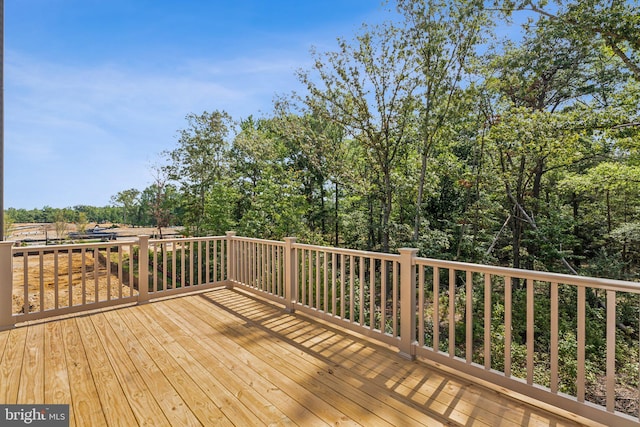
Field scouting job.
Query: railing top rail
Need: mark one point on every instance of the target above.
(370, 254)
(567, 279)
(253, 239)
(68, 246)
(187, 239)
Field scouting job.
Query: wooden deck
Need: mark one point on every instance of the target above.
(226, 358)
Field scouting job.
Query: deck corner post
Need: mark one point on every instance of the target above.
(407, 303)
(143, 269)
(7, 321)
(290, 285)
(231, 259)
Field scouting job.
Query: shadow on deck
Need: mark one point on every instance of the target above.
(225, 357)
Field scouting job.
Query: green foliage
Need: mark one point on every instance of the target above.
(9, 222)
(81, 223)
(60, 224)
(127, 200)
(198, 163)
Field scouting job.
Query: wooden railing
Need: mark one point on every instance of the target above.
(37, 282)
(459, 316)
(184, 265)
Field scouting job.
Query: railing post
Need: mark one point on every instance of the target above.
(231, 259)
(143, 269)
(6, 286)
(290, 266)
(408, 303)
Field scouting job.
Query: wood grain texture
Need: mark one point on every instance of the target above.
(31, 389)
(56, 375)
(11, 365)
(85, 402)
(227, 358)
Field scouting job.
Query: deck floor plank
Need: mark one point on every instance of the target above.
(31, 390)
(343, 390)
(204, 408)
(225, 357)
(352, 382)
(56, 375)
(85, 402)
(4, 337)
(388, 373)
(115, 405)
(245, 349)
(282, 394)
(194, 336)
(440, 394)
(366, 362)
(140, 396)
(11, 368)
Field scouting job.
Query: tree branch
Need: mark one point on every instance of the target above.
(532, 222)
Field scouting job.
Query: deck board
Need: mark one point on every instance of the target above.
(296, 391)
(227, 358)
(205, 394)
(224, 363)
(112, 398)
(11, 365)
(193, 336)
(360, 363)
(145, 386)
(56, 375)
(31, 389)
(85, 402)
(355, 401)
(237, 355)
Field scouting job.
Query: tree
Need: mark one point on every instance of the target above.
(615, 24)
(529, 144)
(266, 186)
(443, 36)
(605, 202)
(60, 225)
(8, 224)
(160, 195)
(199, 162)
(81, 223)
(368, 89)
(318, 150)
(126, 199)
(546, 91)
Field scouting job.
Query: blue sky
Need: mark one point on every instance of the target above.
(95, 90)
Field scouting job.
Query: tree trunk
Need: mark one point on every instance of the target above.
(337, 228)
(517, 221)
(516, 230)
(608, 212)
(418, 217)
(386, 210)
(372, 232)
(323, 223)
